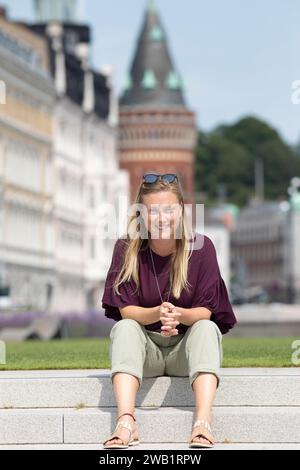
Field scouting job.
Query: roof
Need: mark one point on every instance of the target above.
(153, 79)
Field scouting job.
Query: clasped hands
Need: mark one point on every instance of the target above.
(169, 319)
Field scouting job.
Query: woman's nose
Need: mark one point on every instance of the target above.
(163, 218)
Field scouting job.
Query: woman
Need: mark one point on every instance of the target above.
(171, 306)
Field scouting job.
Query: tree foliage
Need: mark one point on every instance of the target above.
(226, 158)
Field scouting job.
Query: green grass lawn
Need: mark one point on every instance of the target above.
(93, 353)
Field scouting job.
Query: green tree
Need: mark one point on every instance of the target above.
(227, 156)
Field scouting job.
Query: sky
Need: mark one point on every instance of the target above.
(237, 58)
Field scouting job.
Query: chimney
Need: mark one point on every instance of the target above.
(82, 52)
(55, 32)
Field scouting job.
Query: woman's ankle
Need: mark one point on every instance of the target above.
(127, 416)
(203, 416)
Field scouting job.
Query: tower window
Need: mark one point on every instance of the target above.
(149, 80)
(156, 34)
(173, 81)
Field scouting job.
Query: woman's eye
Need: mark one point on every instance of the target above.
(166, 210)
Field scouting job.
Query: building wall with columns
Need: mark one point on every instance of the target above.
(58, 166)
(264, 248)
(68, 206)
(26, 167)
(86, 167)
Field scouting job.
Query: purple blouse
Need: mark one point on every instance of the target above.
(208, 287)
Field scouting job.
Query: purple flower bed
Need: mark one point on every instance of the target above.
(91, 323)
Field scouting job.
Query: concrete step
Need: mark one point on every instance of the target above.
(151, 447)
(93, 388)
(157, 425)
(77, 407)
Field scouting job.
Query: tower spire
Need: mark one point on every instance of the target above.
(153, 79)
(151, 5)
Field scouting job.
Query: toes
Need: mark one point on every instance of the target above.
(114, 440)
(202, 440)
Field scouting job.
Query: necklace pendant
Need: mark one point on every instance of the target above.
(157, 284)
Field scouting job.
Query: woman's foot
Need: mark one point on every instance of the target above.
(125, 434)
(201, 433)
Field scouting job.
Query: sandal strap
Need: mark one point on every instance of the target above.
(204, 423)
(124, 424)
(115, 434)
(202, 432)
(130, 414)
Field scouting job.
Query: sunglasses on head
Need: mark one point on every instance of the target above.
(152, 178)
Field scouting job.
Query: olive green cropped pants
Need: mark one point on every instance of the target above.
(144, 353)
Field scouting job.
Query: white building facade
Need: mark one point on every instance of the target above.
(26, 168)
(58, 168)
(87, 175)
(266, 243)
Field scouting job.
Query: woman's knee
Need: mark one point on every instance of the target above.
(203, 322)
(128, 332)
(205, 332)
(207, 325)
(126, 324)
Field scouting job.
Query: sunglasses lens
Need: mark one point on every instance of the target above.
(170, 178)
(150, 178)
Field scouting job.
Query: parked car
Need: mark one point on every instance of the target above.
(254, 294)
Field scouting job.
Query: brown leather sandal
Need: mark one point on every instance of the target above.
(201, 428)
(133, 438)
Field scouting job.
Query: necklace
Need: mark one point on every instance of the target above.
(158, 288)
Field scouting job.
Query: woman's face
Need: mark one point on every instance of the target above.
(161, 214)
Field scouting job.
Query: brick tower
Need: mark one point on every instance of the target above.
(157, 130)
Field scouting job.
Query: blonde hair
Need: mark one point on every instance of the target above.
(179, 259)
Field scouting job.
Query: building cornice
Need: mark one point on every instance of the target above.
(27, 131)
(24, 77)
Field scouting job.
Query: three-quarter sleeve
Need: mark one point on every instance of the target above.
(211, 291)
(111, 301)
